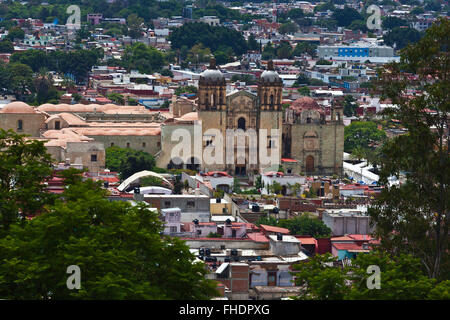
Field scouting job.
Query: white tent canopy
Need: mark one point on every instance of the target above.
(138, 175)
(154, 190)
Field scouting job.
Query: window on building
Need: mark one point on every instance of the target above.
(19, 125)
(173, 229)
(190, 204)
(241, 123)
(128, 144)
(93, 158)
(144, 144)
(112, 144)
(167, 204)
(57, 125)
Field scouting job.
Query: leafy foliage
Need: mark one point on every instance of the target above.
(401, 278)
(24, 164)
(401, 37)
(117, 247)
(77, 62)
(305, 225)
(211, 37)
(139, 56)
(414, 217)
(128, 161)
(363, 134)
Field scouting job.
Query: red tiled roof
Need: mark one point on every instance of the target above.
(344, 238)
(360, 237)
(347, 246)
(258, 237)
(307, 240)
(274, 229)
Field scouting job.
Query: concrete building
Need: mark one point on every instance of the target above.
(308, 137)
(22, 118)
(345, 221)
(356, 51)
(191, 206)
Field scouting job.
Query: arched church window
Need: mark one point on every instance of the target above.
(241, 123)
(271, 100)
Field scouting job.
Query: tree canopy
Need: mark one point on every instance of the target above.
(401, 37)
(414, 217)
(24, 164)
(146, 59)
(117, 247)
(211, 37)
(363, 134)
(303, 225)
(127, 161)
(401, 278)
(77, 62)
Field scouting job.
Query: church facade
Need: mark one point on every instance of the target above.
(245, 133)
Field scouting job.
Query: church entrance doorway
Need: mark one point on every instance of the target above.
(309, 164)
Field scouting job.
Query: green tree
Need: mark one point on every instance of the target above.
(116, 97)
(350, 106)
(284, 50)
(24, 164)
(146, 59)
(45, 91)
(393, 22)
(252, 44)
(177, 185)
(15, 33)
(117, 246)
(304, 91)
(135, 25)
(275, 187)
(401, 278)
(20, 79)
(151, 181)
(304, 47)
(198, 54)
(288, 27)
(186, 89)
(268, 221)
(320, 279)
(364, 134)
(414, 216)
(212, 37)
(305, 225)
(6, 46)
(346, 16)
(401, 37)
(236, 186)
(269, 52)
(128, 161)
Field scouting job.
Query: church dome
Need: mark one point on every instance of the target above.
(212, 74)
(209, 74)
(270, 75)
(18, 107)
